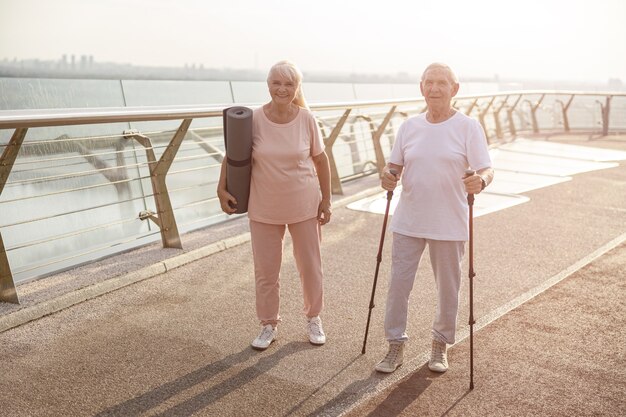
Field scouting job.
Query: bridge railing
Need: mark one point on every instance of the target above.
(80, 184)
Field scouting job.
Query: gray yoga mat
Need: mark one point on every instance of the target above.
(238, 143)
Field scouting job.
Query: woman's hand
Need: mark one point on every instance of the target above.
(324, 212)
(322, 167)
(227, 201)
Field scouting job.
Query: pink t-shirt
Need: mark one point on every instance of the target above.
(284, 188)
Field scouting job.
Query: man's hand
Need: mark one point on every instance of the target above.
(389, 180)
(473, 184)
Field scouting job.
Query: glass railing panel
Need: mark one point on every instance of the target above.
(142, 93)
(44, 93)
(328, 92)
(48, 93)
(250, 92)
(192, 177)
(617, 117)
(475, 88)
(67, 197)
(548, 114)
(584, 113)
(373, 91)
(405, 90)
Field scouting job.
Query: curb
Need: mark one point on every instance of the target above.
(45, 308)
(64, 301)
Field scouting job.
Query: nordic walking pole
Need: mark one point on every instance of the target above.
(379, 258)
(470, 202)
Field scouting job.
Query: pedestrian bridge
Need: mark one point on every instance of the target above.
(77, 185)
(79, 191)
(548, 300)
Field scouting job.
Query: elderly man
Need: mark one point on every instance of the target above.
(430, 155)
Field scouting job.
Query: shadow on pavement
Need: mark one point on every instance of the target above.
(296, 407)
(404, 393)
(152, 399)
(350, 395)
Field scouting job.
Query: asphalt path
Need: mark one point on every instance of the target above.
(178, 344)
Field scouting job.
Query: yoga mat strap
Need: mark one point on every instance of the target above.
(234, 163)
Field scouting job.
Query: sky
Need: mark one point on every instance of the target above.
(532, 39)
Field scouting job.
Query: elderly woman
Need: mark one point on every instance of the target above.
(289, 189)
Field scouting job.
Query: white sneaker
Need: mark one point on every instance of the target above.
(265, 339)
(438, 357)
(315, 331)
(393, 359)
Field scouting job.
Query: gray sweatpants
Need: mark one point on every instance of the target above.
(445, 257)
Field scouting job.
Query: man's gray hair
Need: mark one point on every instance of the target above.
(445, 67)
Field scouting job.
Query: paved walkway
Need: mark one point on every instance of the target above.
(562, 353)
(549, 339)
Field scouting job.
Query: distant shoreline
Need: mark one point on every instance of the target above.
(88, 69)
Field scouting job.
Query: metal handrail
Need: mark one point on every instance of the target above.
(12, 119)
(503, 115)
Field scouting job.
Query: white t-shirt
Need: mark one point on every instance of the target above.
(433, 202)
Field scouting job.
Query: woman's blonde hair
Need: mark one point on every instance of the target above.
(289, 70)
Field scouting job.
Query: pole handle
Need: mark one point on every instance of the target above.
(470, 197)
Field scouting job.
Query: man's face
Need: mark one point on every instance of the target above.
(438, 88)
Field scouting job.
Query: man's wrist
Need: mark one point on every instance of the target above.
(483, 183)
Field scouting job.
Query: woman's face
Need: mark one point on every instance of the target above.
(282, 89)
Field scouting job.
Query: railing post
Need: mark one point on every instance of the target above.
(606, 110)
(164, 218)
(470, 108)
(8, 293)
(335, 181)
(533, 112)
(509, 114)
(564, 108)
(378, 149)
(496, 117)
(481, 117)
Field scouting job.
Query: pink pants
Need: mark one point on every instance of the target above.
(267, 251)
